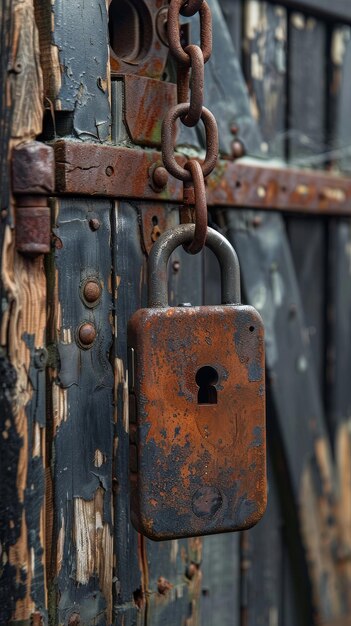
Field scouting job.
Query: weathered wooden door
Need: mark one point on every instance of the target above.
(90, 81)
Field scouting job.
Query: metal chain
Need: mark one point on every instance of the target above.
(190, 109)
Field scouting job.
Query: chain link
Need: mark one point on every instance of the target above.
(191, 60)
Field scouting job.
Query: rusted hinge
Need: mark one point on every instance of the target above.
(33, 180)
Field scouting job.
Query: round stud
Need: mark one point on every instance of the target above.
(86, 335)
(238, 149)
(159, 177)
(92, 292)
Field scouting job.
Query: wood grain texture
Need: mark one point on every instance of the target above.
(22, 338)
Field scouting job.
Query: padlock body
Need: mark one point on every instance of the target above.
(197, 420)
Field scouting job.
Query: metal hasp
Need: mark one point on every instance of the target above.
(33, 180)
(111, 171)
(197, 405)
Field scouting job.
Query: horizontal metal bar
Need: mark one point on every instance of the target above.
(95, 170)
(338, 10)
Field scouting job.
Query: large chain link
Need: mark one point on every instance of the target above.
(190, 109)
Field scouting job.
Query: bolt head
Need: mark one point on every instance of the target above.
(160, 177)
(86, 334)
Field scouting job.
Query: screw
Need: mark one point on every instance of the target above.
(92, 291)
(94, 224)
(234, 129)
(87, 334)
(109, 170)
(176, 266)
(238, 149)
(159, 176)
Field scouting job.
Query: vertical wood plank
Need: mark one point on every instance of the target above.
(232, 13)
(302, 446)
(307, 139)
(82, 410)
(308, 243)
(74, 51)
(307, 90)
(129, 293)
(264, 62)
(22, 339)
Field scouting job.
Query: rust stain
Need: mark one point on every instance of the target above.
(146, 103)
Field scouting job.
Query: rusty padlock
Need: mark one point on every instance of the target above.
(197, 405)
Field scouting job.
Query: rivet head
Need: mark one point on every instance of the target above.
(92, 291)
(238, 149)
(159, 176)
(86, 334)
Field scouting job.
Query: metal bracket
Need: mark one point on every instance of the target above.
(33, 180)
(115, 172)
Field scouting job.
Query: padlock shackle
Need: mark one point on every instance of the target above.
(184, 234)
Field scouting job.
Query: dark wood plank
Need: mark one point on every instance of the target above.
(225, 90)
(308, 241)
(262, 564)
(129, 292)
(220, 599)
(338, 10)
(74, 51)
(83, 415)
(339, 124)
(232, 12)
(307, 140)
(307, 90)
(302, 450)
(338, 366)
(265, 68)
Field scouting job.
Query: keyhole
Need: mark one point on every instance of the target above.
(206, 379)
